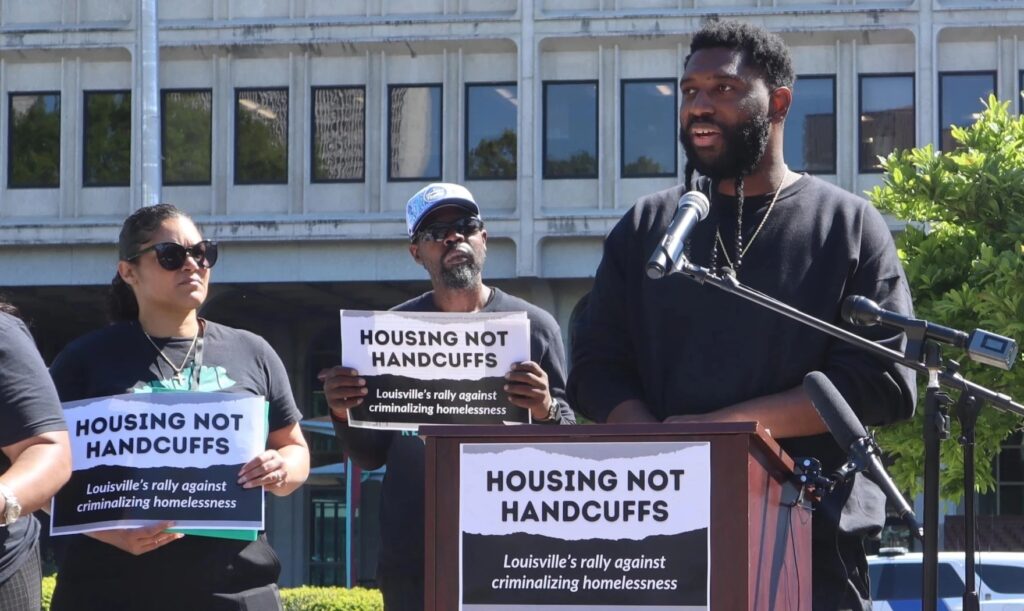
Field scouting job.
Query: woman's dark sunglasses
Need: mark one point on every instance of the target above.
(171, 255)
(437, 232)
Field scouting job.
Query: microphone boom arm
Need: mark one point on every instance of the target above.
(949, 379)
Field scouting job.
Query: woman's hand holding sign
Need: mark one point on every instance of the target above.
(343, 389)
(137, 541)
(528, 388)
(268, 470)
(282, 467)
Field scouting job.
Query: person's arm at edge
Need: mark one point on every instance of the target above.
(40, 465)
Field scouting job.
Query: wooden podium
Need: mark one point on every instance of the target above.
(759, 535)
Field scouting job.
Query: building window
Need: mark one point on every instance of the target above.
(186, 117)
(810, 144)
(1020, 92)
(414, 132)
(1008, 497)
(261, 136)
(33, 159)
(886, 118)
(649, 134)
(491, 114)
(107, 158)
(570, 129)
(339, 131)
(328, 513)
(960, 101)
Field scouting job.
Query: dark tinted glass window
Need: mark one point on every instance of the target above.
(491, 114)
(1001, 578)
(649, 134)
(810, 143)
(903, 581)
(886, 117)
(414, 132)
(570, 130)
(261, 136)
(107, 157)
(961, 101)
(187, 117)
(34, 153)
(339, 126)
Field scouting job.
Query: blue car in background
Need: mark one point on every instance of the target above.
(896, 580)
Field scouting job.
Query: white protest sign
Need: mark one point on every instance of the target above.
(585, 525)
(140, 458)
(434, 367)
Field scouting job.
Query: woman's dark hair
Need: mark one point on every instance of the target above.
(761, 49)
(136, 230)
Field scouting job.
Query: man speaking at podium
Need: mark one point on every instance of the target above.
(671, 350)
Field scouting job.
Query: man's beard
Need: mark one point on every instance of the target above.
(743, 150)
(463, 274)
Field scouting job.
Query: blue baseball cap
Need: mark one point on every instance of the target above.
(437, 195)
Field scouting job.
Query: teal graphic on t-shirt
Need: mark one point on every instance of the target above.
(211, 379)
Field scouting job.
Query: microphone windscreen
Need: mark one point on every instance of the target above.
(859, 310)
(833, 409)
(698, 200)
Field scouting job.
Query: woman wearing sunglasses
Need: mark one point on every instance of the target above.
(158, 342)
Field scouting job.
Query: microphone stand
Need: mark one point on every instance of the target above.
(936, 429)
(936, 419)
(967, 409)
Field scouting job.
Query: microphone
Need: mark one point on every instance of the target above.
(862, 452)
(668, 256)
(981, 346)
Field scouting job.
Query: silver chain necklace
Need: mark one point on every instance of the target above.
(178, 376)
(741, 249)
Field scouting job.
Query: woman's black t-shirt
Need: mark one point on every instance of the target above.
(120, 359)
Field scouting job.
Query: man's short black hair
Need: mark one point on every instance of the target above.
(760, 48)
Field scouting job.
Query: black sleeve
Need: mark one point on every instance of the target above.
(879, 391)
(603, 354)
(28, 402)
(368, 448)
(552, 360)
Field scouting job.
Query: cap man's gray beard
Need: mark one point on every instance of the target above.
(462, 276)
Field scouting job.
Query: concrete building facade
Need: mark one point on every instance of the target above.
(305, 125)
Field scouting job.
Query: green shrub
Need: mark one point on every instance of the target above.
(49, 582)
(310, 598)
(305, 598)
(962, 253)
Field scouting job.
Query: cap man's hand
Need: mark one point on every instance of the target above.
(527, 387)
(343, 388)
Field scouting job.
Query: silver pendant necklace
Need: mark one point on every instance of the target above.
(178, 375)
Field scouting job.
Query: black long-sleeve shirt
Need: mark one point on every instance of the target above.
(684, 348)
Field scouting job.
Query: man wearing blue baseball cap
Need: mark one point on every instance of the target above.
(447, 237)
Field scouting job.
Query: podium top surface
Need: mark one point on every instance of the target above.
(595, 432)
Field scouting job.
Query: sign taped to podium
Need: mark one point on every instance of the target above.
(595, 525)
